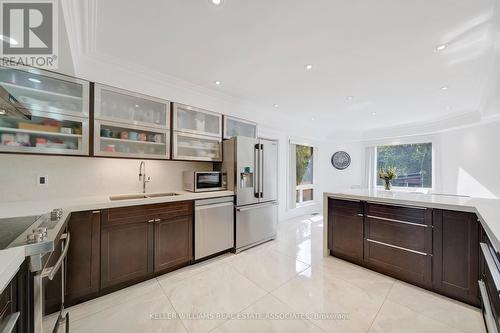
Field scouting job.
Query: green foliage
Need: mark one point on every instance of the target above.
(410, 160)
(304, 164)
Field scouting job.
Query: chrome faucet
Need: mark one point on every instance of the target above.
(142, 176)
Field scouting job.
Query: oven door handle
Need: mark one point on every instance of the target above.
(492, 267)
(50, 272)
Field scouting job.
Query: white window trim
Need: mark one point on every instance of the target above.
(436, 163)
(291, 204)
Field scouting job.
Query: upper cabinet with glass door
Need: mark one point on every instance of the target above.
(128, 124)
(239, 127)
(113, 104)
(58, 106)
(189, 119)
(44, 91)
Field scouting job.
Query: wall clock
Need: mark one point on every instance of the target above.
(341, 160)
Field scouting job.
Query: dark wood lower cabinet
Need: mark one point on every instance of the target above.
(126, 253)
(456, 255)
(83, 263)
(432, 248)
(173, 243)
(345, 229)
(141, 241)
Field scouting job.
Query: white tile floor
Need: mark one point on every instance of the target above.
(286, 278)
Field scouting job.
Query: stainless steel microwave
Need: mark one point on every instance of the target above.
(203, 181)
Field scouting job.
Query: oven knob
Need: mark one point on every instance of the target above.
(42, 231)
(34, 238)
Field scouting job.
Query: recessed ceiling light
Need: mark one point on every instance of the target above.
(374, 113)
(350, 98)
(217, 83)
(444, 88)
(137, 105)
(312, 118)
(441, 47)
(276, 105)
(9, 40)
(309, 67)
(216, 2)
(34, 80)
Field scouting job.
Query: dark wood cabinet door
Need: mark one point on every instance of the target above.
(173, 243)
(345, 229)
(456, 255)
(83, 259)
(126, 252)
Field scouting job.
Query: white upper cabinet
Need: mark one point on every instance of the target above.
(239, 127)
(189, 119)
(113, 104)
(131, 125)
(45, 91)
(59, 108)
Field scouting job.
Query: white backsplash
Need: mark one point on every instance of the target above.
(80, 176)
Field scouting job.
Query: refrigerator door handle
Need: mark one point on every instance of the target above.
(244, 209)
(256, 182)
(261, 171)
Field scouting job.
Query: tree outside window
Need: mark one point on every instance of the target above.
(304, 170)
(412, 161)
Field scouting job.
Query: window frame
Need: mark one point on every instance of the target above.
(314, 186)
(436, 162)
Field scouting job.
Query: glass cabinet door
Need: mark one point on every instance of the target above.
(121, 140)
(118, 105)
(45, 133)
(196, 147)
(39, 90)
(198, 121)
(239, 127)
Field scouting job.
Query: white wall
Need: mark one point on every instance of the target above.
(80, 176)
(467, 161)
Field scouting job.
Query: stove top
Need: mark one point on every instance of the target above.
(12, 228)
(19, 231)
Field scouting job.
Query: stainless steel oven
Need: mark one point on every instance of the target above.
(203, 181)
(489, 286)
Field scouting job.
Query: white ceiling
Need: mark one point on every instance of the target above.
(380, 52)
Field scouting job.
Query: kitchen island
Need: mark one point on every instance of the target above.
(429, 240)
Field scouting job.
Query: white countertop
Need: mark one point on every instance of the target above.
(487, 210)
(12, 258)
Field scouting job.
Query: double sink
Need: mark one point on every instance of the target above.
(141, 196)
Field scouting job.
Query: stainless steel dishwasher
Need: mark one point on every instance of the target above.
(213, 226)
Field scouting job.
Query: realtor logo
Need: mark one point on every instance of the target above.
(29, 33)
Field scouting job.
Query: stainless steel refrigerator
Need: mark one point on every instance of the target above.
(251, 167)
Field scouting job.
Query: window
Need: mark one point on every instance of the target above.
(413, 163)
(304, 174)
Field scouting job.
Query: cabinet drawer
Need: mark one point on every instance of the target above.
(417, 237)
(404, 264)
(346, 207)
(135, 214)
(419, 215)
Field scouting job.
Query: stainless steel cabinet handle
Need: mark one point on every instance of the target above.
(492, 267)
(223, 204)
(398, 247)
(398, 221)
(151, 221)
(96, 211)
(361, 215)
(157, 220)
